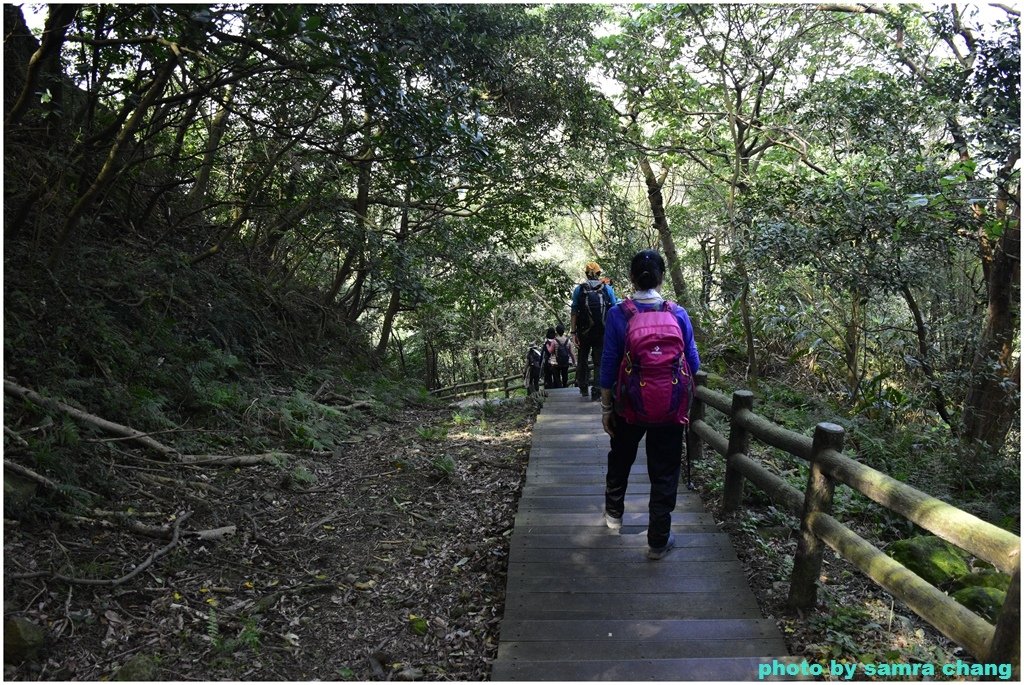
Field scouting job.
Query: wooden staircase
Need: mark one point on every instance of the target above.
(584, 603)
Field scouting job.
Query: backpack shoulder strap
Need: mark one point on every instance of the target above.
(629, 308)
(580, 294)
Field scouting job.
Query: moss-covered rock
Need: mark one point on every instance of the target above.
(139, 668)
(992, 579)
(23, 640)
(984, 601)
(930, 557)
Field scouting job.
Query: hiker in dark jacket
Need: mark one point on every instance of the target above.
(664, 439)
(565, 356)
(551, 377)
(534, 361)
(590, 303)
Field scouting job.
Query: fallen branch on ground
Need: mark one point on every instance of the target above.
(44, 481)
(323, 389)
(343, 402)
(273, 458)
(32, 475)
(271, 599)
(113, 518)
(175, 538)
(129, 433)
(89, 419)
(18, 440)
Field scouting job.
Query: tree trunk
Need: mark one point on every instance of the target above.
(57, 21)
(668, 244)
(354, 296)
(389, 319)
(851, 345)
(218, 125)
(753, 368)
(993, 395)
(361, 207)
(430, 352)
(924, 349)
(396, 290)
(106, 173)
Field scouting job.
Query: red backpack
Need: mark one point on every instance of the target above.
(655, 384)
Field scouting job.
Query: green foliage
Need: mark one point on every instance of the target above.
(248, 637)
(842, 625)
(309, 424)
(434, 433)
(443, 466)
(301, 476)
(213, 626)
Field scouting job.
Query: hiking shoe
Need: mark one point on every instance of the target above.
(658, 552)
(613, 522)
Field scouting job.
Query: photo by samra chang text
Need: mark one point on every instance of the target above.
(843, 670)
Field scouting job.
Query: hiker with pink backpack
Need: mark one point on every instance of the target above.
(647, 368)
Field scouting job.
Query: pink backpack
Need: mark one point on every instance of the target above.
(655, 384)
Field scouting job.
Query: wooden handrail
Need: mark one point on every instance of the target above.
(482, 386)
(454, 388)
(999, 643)
(953, 619)
(991, 543)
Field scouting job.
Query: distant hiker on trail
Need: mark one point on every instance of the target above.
(565, 355)
(647, 372)
(534, 360)
(590, 304)
(550, 363)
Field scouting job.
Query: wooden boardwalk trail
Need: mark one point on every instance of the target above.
(584, 603)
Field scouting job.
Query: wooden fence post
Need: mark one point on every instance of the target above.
(1005, 647)
(694, 445)
(739, 443)
(803, 585)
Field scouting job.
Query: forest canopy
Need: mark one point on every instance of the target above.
(835, 187)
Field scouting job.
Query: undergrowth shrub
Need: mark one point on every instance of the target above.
(209, 359)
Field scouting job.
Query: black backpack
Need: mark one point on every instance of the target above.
(562, 353)
(594, 306)
(534, 357)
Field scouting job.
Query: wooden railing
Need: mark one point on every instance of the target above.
(505, 386)
(493, 385)
(828, 466)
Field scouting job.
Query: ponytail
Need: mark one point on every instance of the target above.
(647, 270)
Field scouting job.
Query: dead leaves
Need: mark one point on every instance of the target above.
(381, 571)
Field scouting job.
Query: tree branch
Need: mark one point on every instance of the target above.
(175, 539)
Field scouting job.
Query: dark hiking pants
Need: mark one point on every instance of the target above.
(664, 454)
(588, 363)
